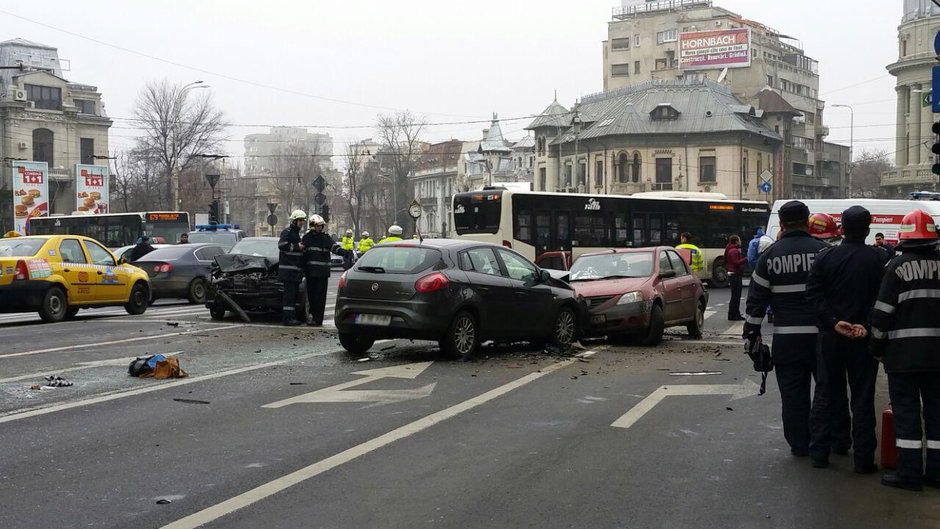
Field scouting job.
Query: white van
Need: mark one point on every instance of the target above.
(886, 215)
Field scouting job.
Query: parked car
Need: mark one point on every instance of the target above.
(57, 275)
(248, 276)
(180, 271)
(554, 260)
(456, 292)
(639, 291)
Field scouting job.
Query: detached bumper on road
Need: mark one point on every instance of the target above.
(23, 295)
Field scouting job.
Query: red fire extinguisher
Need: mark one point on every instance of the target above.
(889, 452)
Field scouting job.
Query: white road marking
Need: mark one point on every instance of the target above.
(112, 342)
(80, 366)
(273, 487)
(160, 387)
(338, 392)
(735, 329)
(737, 391)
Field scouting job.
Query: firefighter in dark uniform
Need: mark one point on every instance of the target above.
(842, 288)
(317, 248)
(780, 281)
(290, 265)
(906, 336)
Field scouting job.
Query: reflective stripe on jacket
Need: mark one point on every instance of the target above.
(696, 261)
(366, 244)
(290, 256)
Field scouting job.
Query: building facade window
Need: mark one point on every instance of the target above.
(599, 173)
(670, 35)
(620, 44)
(663, 174)
(636, 67)
(567, 181)
(582, 177)
(45, 97)
(542, 175)
(619, 70)
(635, 168)
(42, 146)
(636, 40)
(88, 151)
(86, 106)
(706, 167)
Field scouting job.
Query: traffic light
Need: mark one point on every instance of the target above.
(325, 213)
(936, 148)
(214, 212)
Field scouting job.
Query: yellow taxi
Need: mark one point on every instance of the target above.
(56, 275)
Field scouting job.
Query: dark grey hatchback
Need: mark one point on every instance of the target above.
(456, 292)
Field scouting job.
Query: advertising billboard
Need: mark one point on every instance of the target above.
(91, 188)
(30, 193)
(724, 48)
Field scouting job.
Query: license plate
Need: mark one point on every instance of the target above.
(600, 318)
(373, 319)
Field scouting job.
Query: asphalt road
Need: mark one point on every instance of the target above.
(278, 428)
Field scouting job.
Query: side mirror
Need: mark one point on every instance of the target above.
(544, 276)
(666, 274)
(122, 261)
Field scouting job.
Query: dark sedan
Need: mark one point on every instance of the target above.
(639, 292)
(456, 292)
(180, 271)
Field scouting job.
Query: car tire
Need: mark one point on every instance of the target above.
(698, 323)
(719, 273)
(217, 313)
(565, 329)
(197, 291)
(55, 306)
(463, 337)
(654, 333)
(354, 344)
(138, 301)
(71, 312)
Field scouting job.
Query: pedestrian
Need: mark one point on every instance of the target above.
(142, 248)
(753, 248)
(290, 265)
(365, 243)
(394, 234)
(184, 238)
(842, 288)
(318, 246)
(906, 337)
(348, 244)
(780, 282)
(734, 263)
(696, 262)
(881, 244)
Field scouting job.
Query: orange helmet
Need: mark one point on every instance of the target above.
(823, 226)
(917, 225)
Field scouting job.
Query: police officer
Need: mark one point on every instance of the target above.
(349, 244)
(906, 336)
(290, 265)
(365, 243)
(317, 248)
(780, 281)
(394, 234)
(695, 254)
(842, 288)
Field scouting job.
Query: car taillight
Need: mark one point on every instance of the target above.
(165, 268)
(432, 282)
(342, 281)
(22, 271)
(507, 244)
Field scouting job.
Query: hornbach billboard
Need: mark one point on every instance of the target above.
(726, 48)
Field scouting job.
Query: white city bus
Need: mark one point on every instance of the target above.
(886, 215)
(539, 225)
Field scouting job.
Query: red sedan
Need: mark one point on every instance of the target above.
(639, 292)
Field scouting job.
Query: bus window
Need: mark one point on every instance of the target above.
(589, 230)
(523, 228)
(639, 230)
(621, 233)
(543, 231)
(672, 231)
(656, 229)
(562, 232)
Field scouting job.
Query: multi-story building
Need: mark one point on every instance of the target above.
(434, 182)
(916, 58)
(46, 118)
(696, 40)
(263, 150)
(493, 160)
(658, 135)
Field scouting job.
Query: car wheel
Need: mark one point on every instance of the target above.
(197, 291)
(565, 329)
(698, 323)
(356, 345)
(719, 274)
(138, 301)
(71, 312)
(217, 313)
(55, 306)
(654, 333)
(463, 337)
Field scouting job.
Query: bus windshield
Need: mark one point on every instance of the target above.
(477, 213)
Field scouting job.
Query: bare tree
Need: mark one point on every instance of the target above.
(293, 171)
(138, 179)
(176, 125)
(866, 176)
(401, 147)
(359, 182)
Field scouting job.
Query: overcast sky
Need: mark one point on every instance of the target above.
(340, 62)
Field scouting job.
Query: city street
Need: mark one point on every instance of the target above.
(280, 428)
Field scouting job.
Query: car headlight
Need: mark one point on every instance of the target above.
(630, 297)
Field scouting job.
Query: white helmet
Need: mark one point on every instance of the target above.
(394, 229)
(297, 215)
(365, 234)
(317, 220)
(763, 243)
(349, 232)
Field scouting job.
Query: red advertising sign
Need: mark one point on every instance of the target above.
(91, 188)
(725, 48)
(30, 193)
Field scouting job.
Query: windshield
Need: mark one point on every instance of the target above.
(398, 259)
(477, 213)
(257, 247)
(20, 247)
(223, 238)
(612, 265)
(170, 231)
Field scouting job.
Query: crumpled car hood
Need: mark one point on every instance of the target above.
(232, 263)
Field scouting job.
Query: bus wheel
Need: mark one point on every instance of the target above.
(719, 273)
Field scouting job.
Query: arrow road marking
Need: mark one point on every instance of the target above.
(737, 391)
(378, 397)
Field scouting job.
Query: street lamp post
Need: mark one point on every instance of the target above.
(177, 110)
(851, 145)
